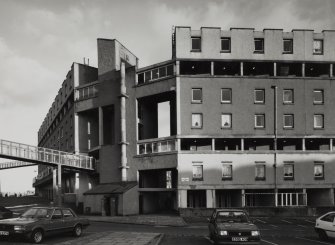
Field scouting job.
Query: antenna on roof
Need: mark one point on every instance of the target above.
(88, 61)
(84, 61)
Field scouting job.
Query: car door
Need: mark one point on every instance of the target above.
(327, 224)
(56, 223)
(68, 219)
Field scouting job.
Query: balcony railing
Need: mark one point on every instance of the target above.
(157, 146)
(41, 155)
(87, 92)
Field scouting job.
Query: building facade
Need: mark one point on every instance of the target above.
(248, 122)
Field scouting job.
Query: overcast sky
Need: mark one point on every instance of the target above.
(39, 40)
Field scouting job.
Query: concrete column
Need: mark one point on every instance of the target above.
(177, 68)
(212, 68)
(243, 197)
(178, 144)
(101, 126)
(242, 144)
(54, 185)
(123, 142)
(210, 198)
(331, 70)
(303, 69)
(76, 133)
(331, 144)
(213, 144)
(275, 69)
(331, 196)
(305, 196)
(182, 198)
(304, 144)
(241, 68)
(59, 184)
(178, 105)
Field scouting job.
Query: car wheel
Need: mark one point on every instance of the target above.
(77, 231)
(322, 235)
(37, 236)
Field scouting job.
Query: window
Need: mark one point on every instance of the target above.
(318, 47)
(226, 121)
(57, 214)
(259, 121)
(288, 96)
(288, 46)
(227, 171)
(260, 172)
(288, 121)
(225, 44)
(226, 95)
(318, 171)
(196, 43)
(318, 121)
(67, 213)
(197, 172)
(318, 97)
(196, 95)
(196, 120)
(329, 218)
(288, 171)
(259, 45)
(259, 96)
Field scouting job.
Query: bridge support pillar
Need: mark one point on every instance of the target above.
(59, 185)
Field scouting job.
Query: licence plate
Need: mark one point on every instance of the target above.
(4, 233)
(239, 239)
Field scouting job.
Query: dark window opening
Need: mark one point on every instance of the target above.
(317, 144)
(227, 144)
(227, 68)
(195, 67)
(225, 44)
(258, 69)
(259, 45)
(317, 70)
(288, 46)
(196, 198)
(289, 69)
(109, 125)
(258, 144)
(289, 144)
(196, 144)
(158, 178)
(228, 198)
(196, 43)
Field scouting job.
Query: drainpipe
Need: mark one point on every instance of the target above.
(275, 144)
(123, 142)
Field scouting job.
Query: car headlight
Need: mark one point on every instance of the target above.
(19, 228)
(223, 233)
(254, 233)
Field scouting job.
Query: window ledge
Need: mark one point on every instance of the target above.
(224, 128)
(288, 103)
(196, 101)
(288, 128)
(225, 51)
(287, 52)
(227, 178)
(196, 127)
(288, 178)
(318, 178)
(225, 102)
(196, 50)
(260, 178)
(259, 52)
(197, 179)
(318, 103)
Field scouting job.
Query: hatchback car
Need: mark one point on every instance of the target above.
(5, 213)
(228, 226)
(325, 226)
(38, 222)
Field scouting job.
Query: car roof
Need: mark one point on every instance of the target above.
(230, 210)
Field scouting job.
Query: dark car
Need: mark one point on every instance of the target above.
(228, 226)
(38, 222)
(5, 213)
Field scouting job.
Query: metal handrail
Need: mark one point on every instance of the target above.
(28, 152)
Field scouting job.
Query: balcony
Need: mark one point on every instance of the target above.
(158, 145)
(87, 92)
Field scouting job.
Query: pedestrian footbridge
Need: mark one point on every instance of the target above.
(27, 155)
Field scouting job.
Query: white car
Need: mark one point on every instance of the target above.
(325, 226)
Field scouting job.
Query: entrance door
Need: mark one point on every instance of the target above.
(113, 206)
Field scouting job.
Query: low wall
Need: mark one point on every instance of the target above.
(262, 211)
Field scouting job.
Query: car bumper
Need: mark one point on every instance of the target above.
(228, 240)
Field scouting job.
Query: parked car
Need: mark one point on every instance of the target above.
(325, 226)
(5, 213)
(38, 222)
(232, 226)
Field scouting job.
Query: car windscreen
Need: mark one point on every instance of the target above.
(232, 217)
(37, 213)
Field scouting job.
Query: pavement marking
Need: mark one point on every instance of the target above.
(269, 242)
(313, 222)
(312, 240)
(274, 226)
(207, 238)
(302, 226)
(286, 221)
(262, 221)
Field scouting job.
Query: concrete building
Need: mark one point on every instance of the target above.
(248, 122)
